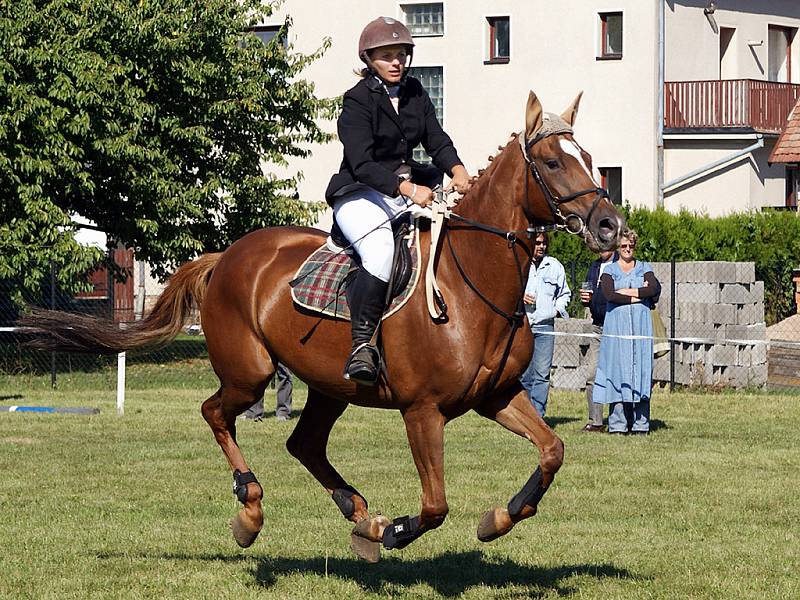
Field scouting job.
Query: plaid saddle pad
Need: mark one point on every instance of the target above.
(319, 284)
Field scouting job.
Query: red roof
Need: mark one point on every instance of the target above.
(787, 148)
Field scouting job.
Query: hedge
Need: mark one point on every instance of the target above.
(770, 239)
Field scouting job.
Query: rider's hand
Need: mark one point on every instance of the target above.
(418, 194)
(461, 180)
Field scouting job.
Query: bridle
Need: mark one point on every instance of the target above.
(574, 224)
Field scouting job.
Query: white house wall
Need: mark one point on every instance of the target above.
(721, 192)
(553, 51)
(693, 47)
(767, 183)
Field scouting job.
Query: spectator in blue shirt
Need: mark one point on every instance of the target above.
(546, 295)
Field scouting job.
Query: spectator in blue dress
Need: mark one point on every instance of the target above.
(624, 377)
(546, 295)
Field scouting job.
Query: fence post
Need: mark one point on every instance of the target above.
(121, 383)
(52, 307)
(674, 304)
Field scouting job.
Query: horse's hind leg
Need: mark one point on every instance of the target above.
(308, 443)
(220, 412)
(519, 416)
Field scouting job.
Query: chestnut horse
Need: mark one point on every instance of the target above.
(472, 360)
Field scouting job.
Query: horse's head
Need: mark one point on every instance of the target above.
(562, 172)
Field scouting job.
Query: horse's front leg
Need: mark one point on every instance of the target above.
(518, 415)
(425, 430)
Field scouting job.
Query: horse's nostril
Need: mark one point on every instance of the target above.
(607, 229)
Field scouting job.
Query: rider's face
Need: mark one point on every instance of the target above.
(389, 62)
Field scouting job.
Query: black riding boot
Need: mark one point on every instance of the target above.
(367, 297)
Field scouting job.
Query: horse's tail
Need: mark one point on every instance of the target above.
(70, 332)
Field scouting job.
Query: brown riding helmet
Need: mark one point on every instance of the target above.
(383, 31)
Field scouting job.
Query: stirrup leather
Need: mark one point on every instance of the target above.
(373, 367)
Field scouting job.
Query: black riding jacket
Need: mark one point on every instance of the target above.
(378, 141)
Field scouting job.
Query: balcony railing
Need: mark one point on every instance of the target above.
(760, 105)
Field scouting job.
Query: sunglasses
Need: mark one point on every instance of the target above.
(624, 246)
(540, 244)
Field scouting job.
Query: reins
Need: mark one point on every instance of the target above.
(511, 238)
(515, 319)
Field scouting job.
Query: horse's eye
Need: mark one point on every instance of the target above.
(551, 164)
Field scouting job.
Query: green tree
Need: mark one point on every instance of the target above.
(156, 119)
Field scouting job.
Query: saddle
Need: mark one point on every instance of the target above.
(320, 284)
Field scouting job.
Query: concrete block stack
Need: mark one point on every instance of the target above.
(719, 318)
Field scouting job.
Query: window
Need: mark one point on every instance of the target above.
(792, 187)
(499, 39)
(432, 79)
(610, 35)
(266, 32)
(727, 53)
(779, 67)
(611, 179)
(424, 19)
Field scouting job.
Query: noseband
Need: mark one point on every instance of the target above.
(554, 202)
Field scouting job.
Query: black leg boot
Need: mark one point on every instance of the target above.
(367, 297)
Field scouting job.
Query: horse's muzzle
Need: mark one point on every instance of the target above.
(604, 232)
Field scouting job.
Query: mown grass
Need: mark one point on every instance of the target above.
(138, 506)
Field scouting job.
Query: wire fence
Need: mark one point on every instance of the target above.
(721, 322)
(107, 299)
(716, 314)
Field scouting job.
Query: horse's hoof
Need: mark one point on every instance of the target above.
(365, 540)
(244, 535)
(365, 549)
(494, 523)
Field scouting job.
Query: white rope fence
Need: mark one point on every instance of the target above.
(685, 340)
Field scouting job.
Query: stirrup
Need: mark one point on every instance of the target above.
(363, 364)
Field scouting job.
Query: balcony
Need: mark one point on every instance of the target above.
(761, 106)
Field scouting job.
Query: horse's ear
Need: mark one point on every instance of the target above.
(571, 113)
(533, 116)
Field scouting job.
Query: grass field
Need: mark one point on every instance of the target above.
(138, 506)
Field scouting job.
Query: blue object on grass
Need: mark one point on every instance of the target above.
(50, 409)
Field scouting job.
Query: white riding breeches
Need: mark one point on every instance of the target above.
(363, 216)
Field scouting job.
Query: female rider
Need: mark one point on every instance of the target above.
(384, 117)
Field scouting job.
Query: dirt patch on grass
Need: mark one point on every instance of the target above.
(18, 440)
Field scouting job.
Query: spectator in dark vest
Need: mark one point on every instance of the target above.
(593, 298)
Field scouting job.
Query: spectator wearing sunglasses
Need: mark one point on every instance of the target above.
(546, 295)
(624, 377)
